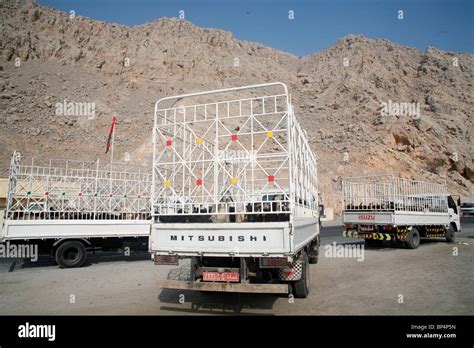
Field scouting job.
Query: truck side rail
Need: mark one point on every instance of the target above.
(53, 189)
(386, 193)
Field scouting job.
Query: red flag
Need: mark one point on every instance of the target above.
(111, 131)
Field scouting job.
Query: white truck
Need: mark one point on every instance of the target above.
(234, 189)
(68, 207)
(382, 208)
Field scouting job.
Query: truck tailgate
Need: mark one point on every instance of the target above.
(221, 239)
(369, 217)
(399, 218)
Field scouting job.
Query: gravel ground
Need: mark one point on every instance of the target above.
(429, 280)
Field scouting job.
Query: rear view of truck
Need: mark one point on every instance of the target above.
(235, 190)
(382, 208)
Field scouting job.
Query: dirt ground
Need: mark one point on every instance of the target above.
(429, 280)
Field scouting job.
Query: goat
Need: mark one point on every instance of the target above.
(222, 208)
(240, 217)
(199, 214)
(279, 206)
(271, 209)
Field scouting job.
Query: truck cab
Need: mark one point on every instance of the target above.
(454, 212)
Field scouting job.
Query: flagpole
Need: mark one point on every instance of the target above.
(112, 159)
(112, 149)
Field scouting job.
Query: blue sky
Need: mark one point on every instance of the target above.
(317, 24)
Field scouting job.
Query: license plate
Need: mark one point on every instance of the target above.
(220, 277)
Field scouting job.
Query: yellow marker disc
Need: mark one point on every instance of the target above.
(233, 181)
(269, 134)
(167, 183)
(199, 140)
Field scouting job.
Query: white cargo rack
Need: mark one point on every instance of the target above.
(385, 199)
(236, 152)
(52, 198)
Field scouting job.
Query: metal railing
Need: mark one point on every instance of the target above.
(388, 193)
(65, 189)
(231, 152)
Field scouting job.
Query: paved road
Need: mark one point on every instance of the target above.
(333, 232)
(330, 234)
(434, 279)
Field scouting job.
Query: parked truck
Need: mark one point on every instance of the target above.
(384, 208)
(234, 189)
(67, 208)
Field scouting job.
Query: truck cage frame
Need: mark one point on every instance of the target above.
(224, 155)
(57, 189)
(386, 193)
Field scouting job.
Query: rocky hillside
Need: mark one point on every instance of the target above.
(48, 57)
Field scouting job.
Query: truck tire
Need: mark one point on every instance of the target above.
(71, 254)
(313, 251)
(450, 237)
(301, 287)
(413, 239)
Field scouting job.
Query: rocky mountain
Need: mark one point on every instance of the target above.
(354, 99)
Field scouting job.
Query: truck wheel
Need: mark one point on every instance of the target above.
(450, 237)
(413, 239)
(372, 243)
(314, 251)
(71, 254)
(301, 287)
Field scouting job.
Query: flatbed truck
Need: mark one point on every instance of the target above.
(387, 209)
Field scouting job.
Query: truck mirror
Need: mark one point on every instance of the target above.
(321, 211)
(453, 203)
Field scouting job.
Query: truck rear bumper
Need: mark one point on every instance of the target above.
(225, 287)
(369, 235)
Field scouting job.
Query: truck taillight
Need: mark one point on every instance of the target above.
(349, 226)
(273, 262)
(166, 260)
(387, 227)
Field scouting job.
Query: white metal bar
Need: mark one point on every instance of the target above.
(300, 179)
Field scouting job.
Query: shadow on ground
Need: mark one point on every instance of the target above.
(198, 302)
(98, 257)
(204, 302)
